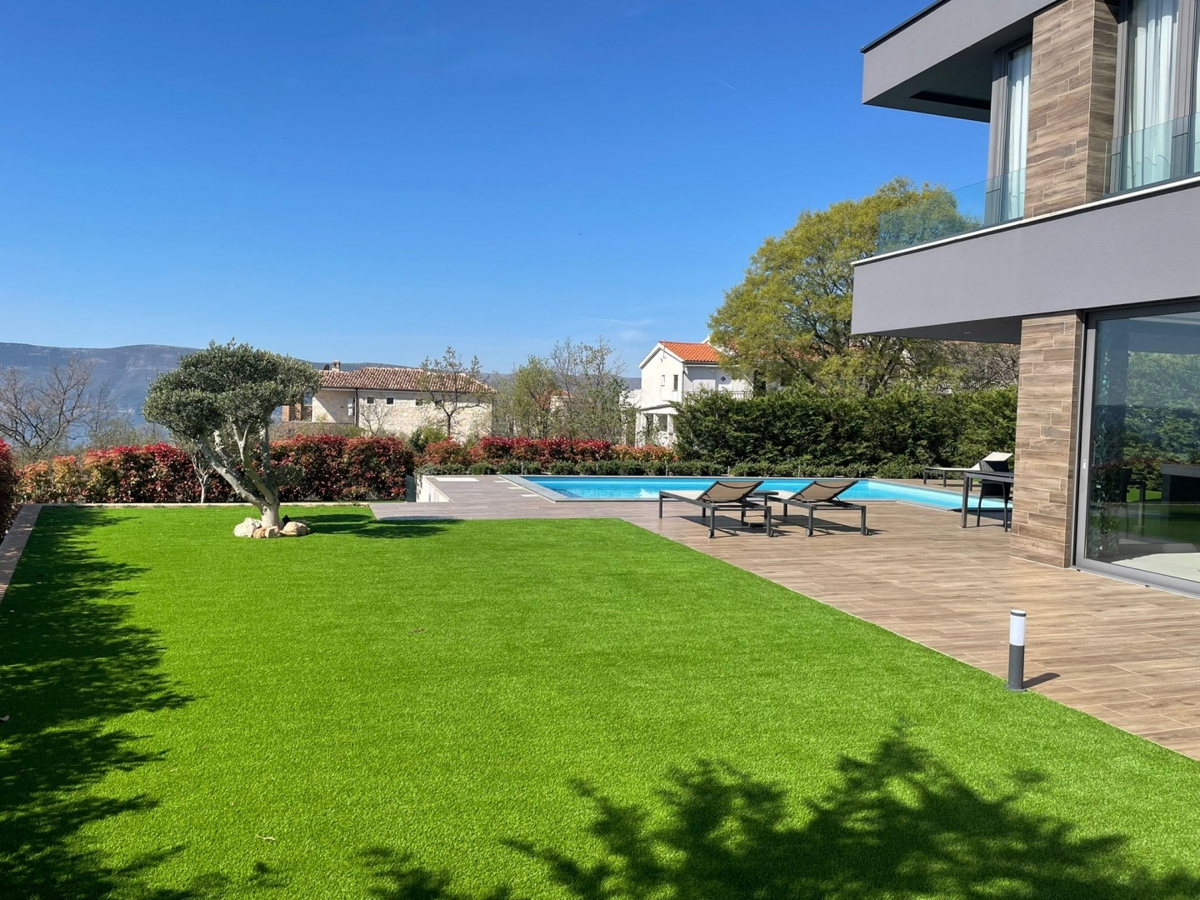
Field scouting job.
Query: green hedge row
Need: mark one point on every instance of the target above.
(804, 431)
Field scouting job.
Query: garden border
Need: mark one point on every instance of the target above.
(14, 543)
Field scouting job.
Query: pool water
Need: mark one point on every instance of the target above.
(607, 487)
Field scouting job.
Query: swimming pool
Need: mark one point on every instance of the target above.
(607, 487)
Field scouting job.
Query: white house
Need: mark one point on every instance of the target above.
(388, 400)
(672, 371)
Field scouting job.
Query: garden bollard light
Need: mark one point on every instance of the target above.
(1016, 650)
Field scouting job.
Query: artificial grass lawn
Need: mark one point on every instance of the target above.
(525, 709)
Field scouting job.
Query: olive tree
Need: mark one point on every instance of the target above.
(221, 400)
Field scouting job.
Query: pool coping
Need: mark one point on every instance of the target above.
(555, 497)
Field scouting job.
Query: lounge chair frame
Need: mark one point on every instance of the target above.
(710, 508)
(829, 505)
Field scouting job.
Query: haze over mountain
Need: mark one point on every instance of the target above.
(127, 371)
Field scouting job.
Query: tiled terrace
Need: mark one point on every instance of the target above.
(1126, 654)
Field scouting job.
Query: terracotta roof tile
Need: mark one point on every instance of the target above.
(692, 353)
(388, 378)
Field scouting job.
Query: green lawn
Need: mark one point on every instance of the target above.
(525, 709)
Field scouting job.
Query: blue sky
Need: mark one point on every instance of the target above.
(375, 180)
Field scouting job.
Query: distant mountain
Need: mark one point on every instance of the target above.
(127, 371)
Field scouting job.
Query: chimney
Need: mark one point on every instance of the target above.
(336, 365)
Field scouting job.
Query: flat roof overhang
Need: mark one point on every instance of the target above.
(1130, 249)
(940, 60)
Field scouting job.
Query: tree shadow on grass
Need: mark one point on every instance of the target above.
(900, 824)
(70, 663)
(359, 526)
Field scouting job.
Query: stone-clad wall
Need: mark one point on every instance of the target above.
(1072, 96)
(1047, 438)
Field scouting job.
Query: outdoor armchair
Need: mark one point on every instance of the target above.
(820, 495)
(993, 462)
(721, 495)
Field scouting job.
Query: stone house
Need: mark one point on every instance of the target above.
(389, 400)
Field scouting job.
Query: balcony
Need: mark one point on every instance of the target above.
(946, 214)
(1162, 153)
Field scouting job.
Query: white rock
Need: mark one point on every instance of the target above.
(247, 528)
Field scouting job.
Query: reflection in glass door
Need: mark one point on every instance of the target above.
(1143, 476)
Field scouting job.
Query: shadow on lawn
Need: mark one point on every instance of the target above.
(369, 527)
(901, 824)
(72, 662)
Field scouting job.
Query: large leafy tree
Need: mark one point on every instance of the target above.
(221, 401)
(788, 322)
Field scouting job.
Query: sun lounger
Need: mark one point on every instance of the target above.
(820, 495)
(721, 495)
(993, 462)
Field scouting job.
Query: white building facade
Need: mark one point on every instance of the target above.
(672, 371)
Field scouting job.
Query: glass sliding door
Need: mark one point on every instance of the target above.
(1140, 498)
(1016, 138)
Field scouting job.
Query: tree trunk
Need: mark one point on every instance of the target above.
(270, 515)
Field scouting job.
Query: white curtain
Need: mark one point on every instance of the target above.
(1016, 141)
(1150, 100)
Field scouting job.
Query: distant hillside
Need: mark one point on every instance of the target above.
(127, 371)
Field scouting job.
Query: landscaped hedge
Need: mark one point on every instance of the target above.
(802, 431)
(328, 467)
(517, 454)
(8, 488)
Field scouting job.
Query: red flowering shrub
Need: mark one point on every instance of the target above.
(325, 467)
(496, 450)
(157, 473)
(8, 488)
(376, 468)
(449, 453)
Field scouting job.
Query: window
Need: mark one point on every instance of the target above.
(1010, 135)
(391, 401)
(1156, 101)
(674, 382)
(663, 382)
(370, 401)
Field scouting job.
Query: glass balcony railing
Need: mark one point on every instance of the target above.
(1153, 155)
(943, 213)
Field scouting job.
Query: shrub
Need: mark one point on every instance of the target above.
(749, 469)
(482, 468)
(321, 467)
(847, 433)
(423, 437)
(8, 488)
(375, 468)
(587, 468)
(898, 468)
(562, 468)
(631, 467)
(449, 453)
(608, 467)
(511, 467)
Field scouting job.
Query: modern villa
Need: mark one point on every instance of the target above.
(1081, 246)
